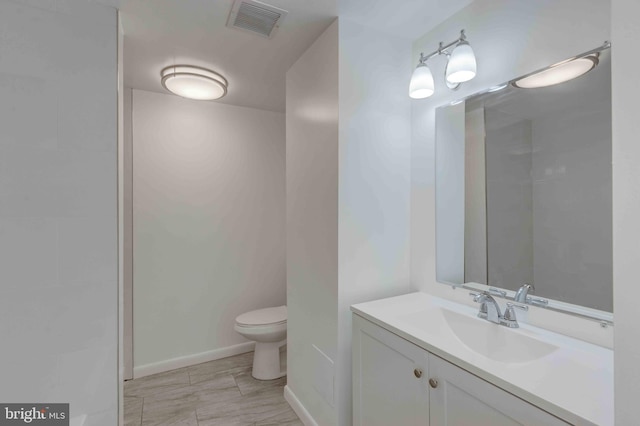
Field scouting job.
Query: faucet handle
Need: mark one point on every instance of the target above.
(537, 301)
(509, 319)
(511, 305)
(481, 298)
(497, 292)
(477, 297)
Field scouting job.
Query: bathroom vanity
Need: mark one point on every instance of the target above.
(422, 360)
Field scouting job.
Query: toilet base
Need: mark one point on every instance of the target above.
(266, 361)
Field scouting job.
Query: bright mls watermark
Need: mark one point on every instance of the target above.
(36, 414)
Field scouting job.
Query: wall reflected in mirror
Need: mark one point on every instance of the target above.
(523, 189)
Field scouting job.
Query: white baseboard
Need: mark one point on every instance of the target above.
(185, 361)
(297, 406)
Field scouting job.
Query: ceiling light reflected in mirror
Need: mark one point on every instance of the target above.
(560, 73)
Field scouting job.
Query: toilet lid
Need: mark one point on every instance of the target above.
(266, 316)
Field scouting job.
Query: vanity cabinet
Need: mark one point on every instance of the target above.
(389, 378)
(398, 383)
(461, 398)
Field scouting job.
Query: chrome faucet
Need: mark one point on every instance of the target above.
(490, 310)
(523, 292)
(522, 296)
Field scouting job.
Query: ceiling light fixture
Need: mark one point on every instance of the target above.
(561, 72)
(194, 82)
(461, 67)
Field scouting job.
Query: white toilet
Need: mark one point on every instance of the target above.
(268, 328)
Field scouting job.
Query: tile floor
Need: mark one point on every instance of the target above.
(220, 392)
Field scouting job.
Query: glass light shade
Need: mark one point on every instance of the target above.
(558, 74)
(194, 82)
(422, 85)
(462, 64)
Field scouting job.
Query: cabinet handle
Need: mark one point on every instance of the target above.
(417, 372)
(433, 383)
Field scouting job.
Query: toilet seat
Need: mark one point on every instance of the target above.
(263, 332)
(263, 318)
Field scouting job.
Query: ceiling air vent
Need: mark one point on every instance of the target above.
(255, 17)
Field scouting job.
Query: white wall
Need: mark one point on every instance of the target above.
(374, 180)
(509, 39)
(58, 206)
(312, 223)
(208, 223)
(626, 209)
(348, 201)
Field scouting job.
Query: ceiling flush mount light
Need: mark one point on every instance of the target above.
(194, 82)
(560, 73)
(563, 71)
(461, 67)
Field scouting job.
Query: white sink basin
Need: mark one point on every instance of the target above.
(496, 342)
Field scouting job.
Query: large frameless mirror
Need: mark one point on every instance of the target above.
(523, 186)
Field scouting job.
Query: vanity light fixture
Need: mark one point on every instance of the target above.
(193, 82)
(461, 67)
(559, 73)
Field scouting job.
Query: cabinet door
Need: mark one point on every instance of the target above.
(462, 399)
(389, 378)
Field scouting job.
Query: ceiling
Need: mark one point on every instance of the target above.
(160, 33)
(410, 19)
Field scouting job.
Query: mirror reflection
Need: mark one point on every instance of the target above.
(523, 187)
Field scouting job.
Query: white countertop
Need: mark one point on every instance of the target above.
(574, 382)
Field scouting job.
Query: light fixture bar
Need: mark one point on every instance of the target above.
(442, 50)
